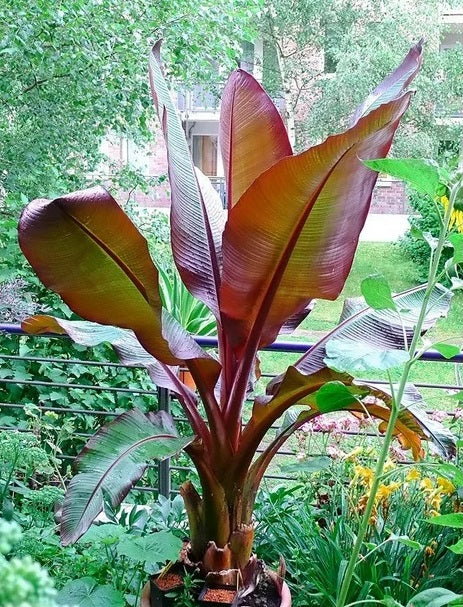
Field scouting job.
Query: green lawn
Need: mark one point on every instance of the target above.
(386, 259)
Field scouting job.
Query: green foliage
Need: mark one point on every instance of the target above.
(191, 313)
(24, 582)
(64, 75)
(312, 524)
(350, 47)
(425, 220)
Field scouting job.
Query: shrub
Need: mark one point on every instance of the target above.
(425, 220)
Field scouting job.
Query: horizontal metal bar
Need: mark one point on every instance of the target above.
(34, 382)
(277, 346)
(63, 410)
(69, 361)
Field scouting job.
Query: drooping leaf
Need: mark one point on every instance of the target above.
(112, 462)
(421, 175)
(87, 592)
(130, 351)
(375, 339)
(195, 224)
(292, 323)
(377, 293)
(288, 239)
(414, 408)
(394, 84)
(74, 244)
(436, 597)
(252, 134)
(406, 541)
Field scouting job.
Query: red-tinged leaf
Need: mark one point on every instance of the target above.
(195, 232)
(252, 134)
(292, 323)
(293, 234)
(84, 247)
(130, 352)
(394, 85)
(112, 462)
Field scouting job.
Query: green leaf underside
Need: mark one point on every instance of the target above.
(422, 176)
(454, 520)
(334, 396)
(112, 462)
(447, 350)
(436, 597)
(86, 592)
(358, 358)
(377, 293)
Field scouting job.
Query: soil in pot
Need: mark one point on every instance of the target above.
(161, 587)
(217, 596)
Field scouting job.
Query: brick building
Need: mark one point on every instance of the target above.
(199, 111)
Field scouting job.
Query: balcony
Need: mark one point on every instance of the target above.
(198, 102)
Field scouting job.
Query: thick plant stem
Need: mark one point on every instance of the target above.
(395, 410)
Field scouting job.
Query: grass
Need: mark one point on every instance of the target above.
(386, 259)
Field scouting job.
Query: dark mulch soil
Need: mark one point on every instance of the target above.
(265, 594)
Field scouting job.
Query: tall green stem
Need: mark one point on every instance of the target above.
(395, 409)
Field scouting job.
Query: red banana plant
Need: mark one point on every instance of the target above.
(289, 237)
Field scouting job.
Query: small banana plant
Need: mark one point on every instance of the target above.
(288, 237)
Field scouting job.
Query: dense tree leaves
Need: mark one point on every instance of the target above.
(73, 71)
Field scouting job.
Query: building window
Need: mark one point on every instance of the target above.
(204, 152)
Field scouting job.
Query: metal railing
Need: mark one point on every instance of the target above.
(161, 399)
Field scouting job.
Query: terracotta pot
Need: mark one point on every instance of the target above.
(285, 596)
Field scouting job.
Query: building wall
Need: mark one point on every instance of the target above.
(389, 196)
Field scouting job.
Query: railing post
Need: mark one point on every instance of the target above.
(164, 465)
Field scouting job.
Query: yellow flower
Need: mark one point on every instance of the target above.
(364, 474)
(413, 475)
(456, 219)
(427, 484)
(445, 486)
(435, 501)
(384, 491)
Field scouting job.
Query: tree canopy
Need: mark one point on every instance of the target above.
(332, 53)
(74, 70)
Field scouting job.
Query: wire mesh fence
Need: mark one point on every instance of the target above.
(81, 390)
